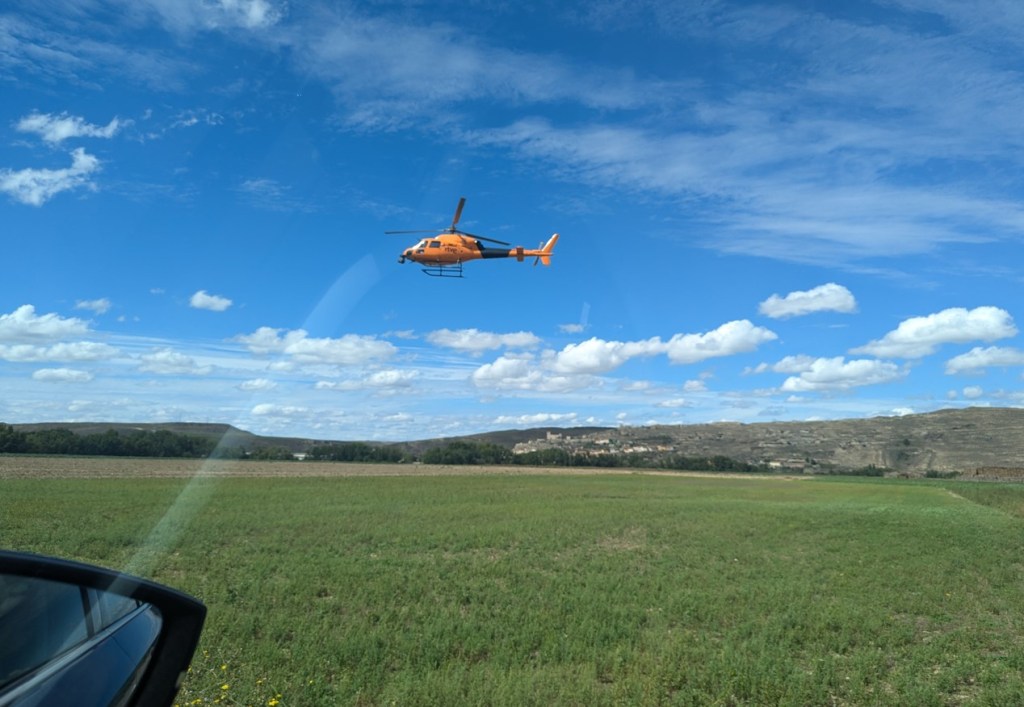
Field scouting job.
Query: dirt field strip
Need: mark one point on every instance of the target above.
(58, 467)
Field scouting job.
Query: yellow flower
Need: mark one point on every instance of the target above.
(273, 701)
(225, 686)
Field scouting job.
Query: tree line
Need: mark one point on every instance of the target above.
(355, 452)
(138, 443)
(164, 443)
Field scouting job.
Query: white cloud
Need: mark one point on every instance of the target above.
(54, 129)
(576, 365)
(824, 298)
(257, 384)
(391, 379)
(214, 14)
(523, 373)
(595, 356)
(99, 306)
(674, 403)
(840, 374)
(350, 349)
(61, 375)
(476, 342)
(571, 328)
(272, 195)
(503, 368)
(190, 118)
(788, 364)
(203, 300)
(920, 336)
(973, 392)
(267, 340)
(441, 65)
(23, 324)
(634, 386)
(695, 386)
(167, 362)
(250, 13)
(347, 350)
(978, 359)
(542, 418)
(272, 410)
(37, 186)
(63, 50)
(68, 351)
(731, 338)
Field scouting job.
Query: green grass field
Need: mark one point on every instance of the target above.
(583, 590)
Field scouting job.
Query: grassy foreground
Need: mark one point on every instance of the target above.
(586, 590)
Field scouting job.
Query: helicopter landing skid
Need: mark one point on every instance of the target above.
(444, 270)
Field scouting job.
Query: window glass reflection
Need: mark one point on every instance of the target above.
(39, 620)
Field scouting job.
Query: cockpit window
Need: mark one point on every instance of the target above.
(435, 244)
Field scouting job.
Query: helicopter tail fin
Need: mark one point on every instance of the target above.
(545, 252)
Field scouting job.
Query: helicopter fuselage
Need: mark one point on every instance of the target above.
(447, 249)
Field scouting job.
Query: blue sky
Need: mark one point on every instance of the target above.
(768, 211)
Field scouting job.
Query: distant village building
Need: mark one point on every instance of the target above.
(786, 463)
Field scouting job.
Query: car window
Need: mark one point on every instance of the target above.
(108, 607)
(39, 620)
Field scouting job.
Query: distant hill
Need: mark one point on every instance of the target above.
(234, 437)
(962, 441)
(504, 438)
(943, 441)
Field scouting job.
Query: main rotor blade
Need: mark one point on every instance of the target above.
(424, 230)
(458, 213)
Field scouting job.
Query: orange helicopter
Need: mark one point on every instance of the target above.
(443, 254)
